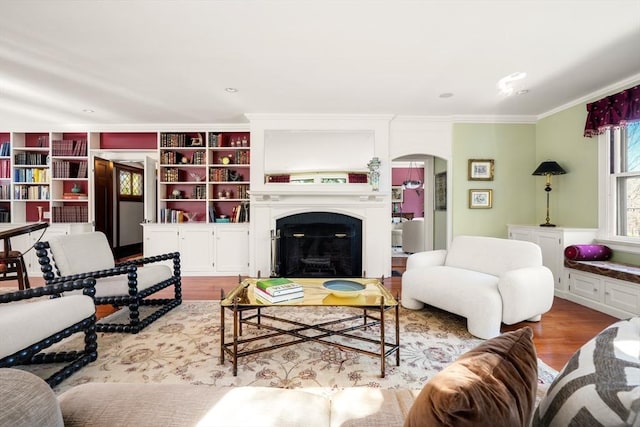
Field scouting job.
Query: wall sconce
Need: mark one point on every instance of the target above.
(547, 169)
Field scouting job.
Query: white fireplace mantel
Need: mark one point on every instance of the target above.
(304, 143)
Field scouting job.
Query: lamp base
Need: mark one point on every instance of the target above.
(547, 225)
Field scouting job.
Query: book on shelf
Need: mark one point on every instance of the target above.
(265, 297)
(278, 286)
(74, 196)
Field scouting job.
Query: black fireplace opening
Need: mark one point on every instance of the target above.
(318, 244)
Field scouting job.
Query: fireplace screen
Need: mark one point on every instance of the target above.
(318, 244)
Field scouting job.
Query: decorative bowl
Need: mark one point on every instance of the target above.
(344, 288)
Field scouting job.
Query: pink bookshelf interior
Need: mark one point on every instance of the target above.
(129, 140)
(36, 140)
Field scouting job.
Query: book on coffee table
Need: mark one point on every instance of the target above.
(262, 296)
(278, 286)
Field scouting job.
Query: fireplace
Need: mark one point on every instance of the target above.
(317, 244)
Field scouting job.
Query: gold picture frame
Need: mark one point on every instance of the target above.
(480, 199)
(481, 169)
(397, 193)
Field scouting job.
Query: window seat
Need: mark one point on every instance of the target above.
(625, 272)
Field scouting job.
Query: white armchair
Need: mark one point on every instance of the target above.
(487, 280)
(30, 323)
(128, 284)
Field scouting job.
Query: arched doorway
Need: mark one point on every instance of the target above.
(425, 202)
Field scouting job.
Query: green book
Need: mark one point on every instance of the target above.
(278, 286)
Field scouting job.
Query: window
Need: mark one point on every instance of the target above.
(131, 184)
(620, 209)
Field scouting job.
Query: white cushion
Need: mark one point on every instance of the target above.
(24, 323)
(81, 253)
(492, 255)
(148, 276)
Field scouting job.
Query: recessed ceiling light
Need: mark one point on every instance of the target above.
(231, 89)
(88, 110)
(446, 95)
(505, 84)
(522, 92)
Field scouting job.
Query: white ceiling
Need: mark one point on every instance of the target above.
(144, 62)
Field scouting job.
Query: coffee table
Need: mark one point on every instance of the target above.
(371, 306)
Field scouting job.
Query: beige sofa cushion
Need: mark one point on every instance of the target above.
(369, 407)
(152, 405)
(27, 401)
(492, 384)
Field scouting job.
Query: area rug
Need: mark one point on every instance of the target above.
(183, 346)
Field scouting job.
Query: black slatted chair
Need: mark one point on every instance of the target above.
(128, 284)
(30, 323)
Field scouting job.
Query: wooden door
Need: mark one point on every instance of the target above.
(103, 193)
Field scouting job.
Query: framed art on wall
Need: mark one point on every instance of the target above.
(481, 169)
(480, 199)
(397, 194)
(440, 191)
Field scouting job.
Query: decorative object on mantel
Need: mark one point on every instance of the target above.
(547, 169)
(374, 173)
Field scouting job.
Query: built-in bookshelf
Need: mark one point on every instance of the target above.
(69, 177)
(229, 167)
(5, 177)
(204, 177)
(44, 176)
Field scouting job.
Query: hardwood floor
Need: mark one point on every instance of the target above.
(562, 330)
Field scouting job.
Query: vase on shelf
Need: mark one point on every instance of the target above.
(75, 189)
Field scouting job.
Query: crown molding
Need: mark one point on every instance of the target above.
(608, 90)
(495, 119)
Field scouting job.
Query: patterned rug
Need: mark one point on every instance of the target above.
(184, 346)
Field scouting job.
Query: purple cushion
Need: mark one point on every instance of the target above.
(588, 252)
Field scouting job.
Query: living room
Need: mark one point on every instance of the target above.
(373, 72)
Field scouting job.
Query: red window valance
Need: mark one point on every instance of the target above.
(613, 110)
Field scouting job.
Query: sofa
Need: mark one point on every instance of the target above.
(495, 384)
(487, 280)
(495, 381)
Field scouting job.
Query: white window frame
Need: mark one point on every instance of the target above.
(607, 204)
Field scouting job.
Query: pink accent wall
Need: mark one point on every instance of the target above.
(124, 140)
(412, 202)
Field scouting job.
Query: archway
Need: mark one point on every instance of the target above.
(426, 202)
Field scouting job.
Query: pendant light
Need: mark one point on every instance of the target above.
(412, 183)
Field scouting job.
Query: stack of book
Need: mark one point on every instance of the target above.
(277, 290)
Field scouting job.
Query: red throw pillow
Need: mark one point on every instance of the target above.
(588, 252)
